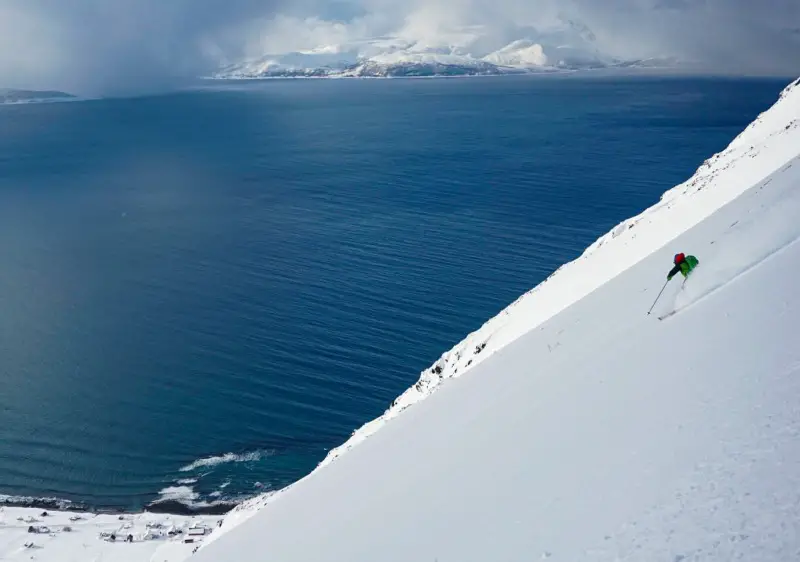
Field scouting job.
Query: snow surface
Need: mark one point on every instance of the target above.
(76, 537)
(586, 429)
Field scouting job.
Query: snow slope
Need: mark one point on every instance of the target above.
(586, 429)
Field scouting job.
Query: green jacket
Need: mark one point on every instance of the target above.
(684, 268)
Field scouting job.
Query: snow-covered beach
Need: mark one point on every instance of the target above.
(68, 536)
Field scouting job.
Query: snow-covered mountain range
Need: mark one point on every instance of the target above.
(511, 59)
(519, 57)
(568, 46)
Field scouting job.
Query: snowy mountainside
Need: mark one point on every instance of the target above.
(519, 53)
(393, 62)
(425, 65)
(512, 59)
(575, 374)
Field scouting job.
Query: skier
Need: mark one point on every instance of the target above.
(683, 265)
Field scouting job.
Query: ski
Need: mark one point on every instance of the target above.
(667, 315)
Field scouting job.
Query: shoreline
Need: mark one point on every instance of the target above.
(165, 507)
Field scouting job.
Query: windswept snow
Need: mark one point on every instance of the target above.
(586, 429)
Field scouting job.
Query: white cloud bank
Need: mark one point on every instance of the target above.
(124, 46)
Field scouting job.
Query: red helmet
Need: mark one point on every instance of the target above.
(679, 258)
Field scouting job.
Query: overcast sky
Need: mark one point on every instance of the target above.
(117, 46)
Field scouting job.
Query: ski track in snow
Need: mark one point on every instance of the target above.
(768, 145)
(722, 284)
(744, 245)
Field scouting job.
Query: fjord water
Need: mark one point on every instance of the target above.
(202, 292)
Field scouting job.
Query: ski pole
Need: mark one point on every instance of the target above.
(658, 297)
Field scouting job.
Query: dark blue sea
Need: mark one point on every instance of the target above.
(203, 292)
